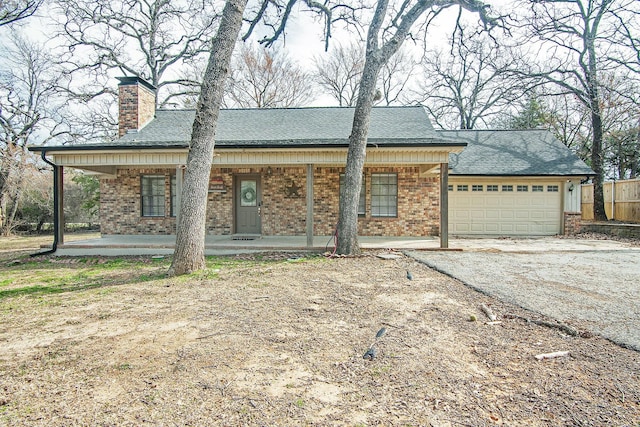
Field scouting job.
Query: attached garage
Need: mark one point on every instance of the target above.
(500, 207)
(512, 183)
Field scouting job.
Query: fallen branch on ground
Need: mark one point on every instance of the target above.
(486, 310)
(553, 355)
(560, 326)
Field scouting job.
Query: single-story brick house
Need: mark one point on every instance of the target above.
(278, 172)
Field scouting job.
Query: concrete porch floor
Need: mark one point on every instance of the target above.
(225, 245)
(115, 245)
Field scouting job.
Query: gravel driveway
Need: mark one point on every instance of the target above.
(597, 289)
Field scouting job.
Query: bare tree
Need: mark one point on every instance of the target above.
(382, 43)
(339, 73)
(16, 10)
(189, 253)
(579, 40)
(28, 114)
(621, 128)
(152, 39)
(395, 78)
(467, 85)
(266, 79)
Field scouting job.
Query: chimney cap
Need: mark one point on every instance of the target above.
(134, 80)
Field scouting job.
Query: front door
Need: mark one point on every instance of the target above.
(247, 195)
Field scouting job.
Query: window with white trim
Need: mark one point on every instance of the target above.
(523, 188)
(552, 188)
(507, 188)
(362, 206)
(384, 195)
(492, 187)
(463, 187)
(477, 187)
(537, 188)
(152, 195)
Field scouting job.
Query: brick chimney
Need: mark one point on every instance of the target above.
(136, 104)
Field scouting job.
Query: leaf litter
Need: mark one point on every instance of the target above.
(266, 341)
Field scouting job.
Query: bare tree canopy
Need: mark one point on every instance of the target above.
(339, 73)
(16, 10)
(468, 84)
(151, 39)
(267, 78)
(580, 42)
(29, 113)
(396, 76)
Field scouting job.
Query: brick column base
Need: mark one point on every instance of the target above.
(572, 223)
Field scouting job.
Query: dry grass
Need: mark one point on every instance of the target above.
(276, 340)
(17, 245)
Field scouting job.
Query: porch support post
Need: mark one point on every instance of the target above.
(444, 205)
(309, 205)
(179, 181)
(59, 205)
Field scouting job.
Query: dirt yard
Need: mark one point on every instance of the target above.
(279, 341)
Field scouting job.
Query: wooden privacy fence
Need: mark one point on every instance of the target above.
(622, 198)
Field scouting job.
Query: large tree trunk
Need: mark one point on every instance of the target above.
(597, 160)
(350, 192)
(189, 253)
(376, 58)
(347, 231)
(599, 213)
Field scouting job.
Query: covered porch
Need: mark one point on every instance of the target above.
(121, 245)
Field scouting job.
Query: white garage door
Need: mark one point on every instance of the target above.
(508, 208)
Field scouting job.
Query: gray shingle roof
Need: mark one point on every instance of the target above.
(513, 152)
(292, 127)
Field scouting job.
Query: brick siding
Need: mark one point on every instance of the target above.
(284, 209)
(572, 223)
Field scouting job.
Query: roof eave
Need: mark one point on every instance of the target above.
(516, 175)
(116, 147)
(247, 145)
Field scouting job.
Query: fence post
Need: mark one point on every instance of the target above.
(613, 199)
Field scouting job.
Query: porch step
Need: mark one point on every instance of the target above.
(246, 236)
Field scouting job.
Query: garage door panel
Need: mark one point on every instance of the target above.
(492, 214)
(491, 228)
(506, 227)
(507, 214)
(477, 214)
(538, 215)
(504, 213)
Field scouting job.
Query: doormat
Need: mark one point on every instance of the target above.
(244, 237)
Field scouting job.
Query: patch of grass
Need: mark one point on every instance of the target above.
(299, 403)
(376, 372)
(259, 285)
(54, 276)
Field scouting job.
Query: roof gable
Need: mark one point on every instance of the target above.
(513, 152)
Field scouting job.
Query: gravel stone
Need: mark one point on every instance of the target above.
(596, 290)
